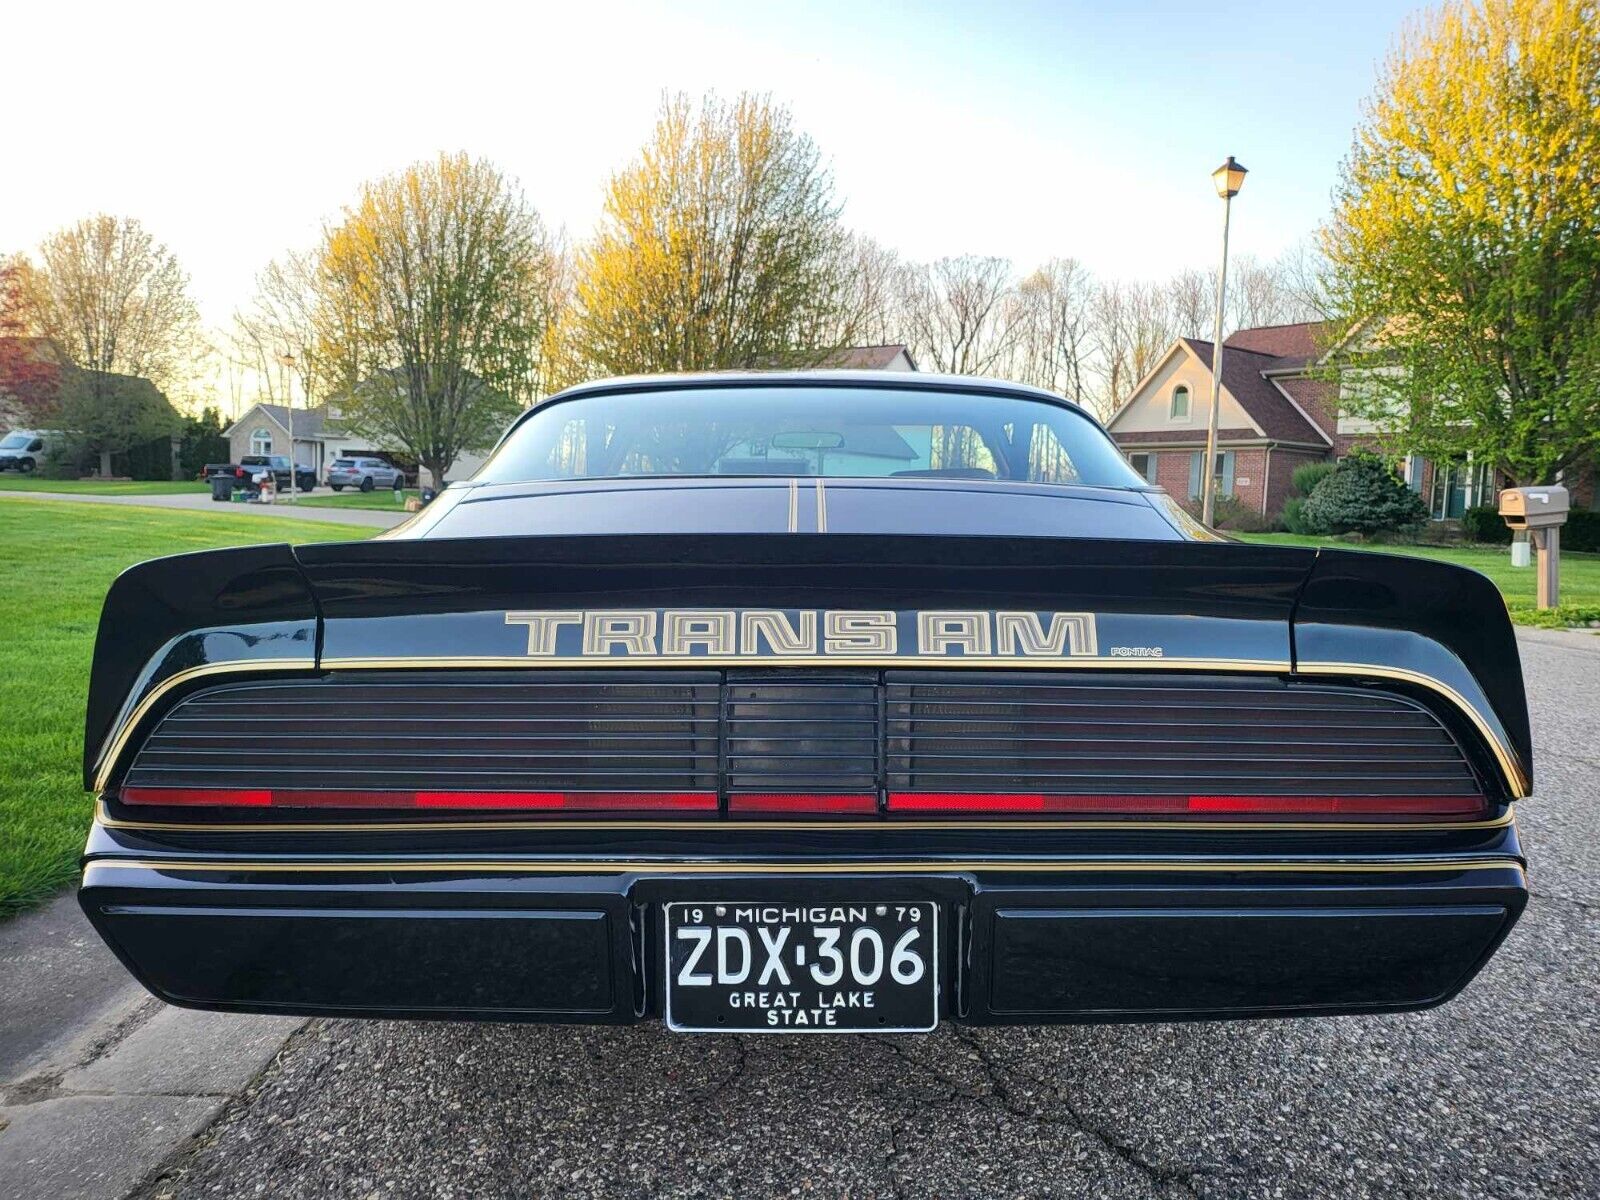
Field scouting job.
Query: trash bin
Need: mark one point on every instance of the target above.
(222, 487)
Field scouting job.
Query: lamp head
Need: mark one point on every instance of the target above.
(1229, 178)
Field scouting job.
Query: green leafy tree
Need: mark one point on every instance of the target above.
(108, 414)
(431, 309)
(1464, 251)
(720, 247)
(1362, 495)
(203, 442)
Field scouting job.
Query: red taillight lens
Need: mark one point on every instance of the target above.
(526, 801)
(802, 802)
(1285, 806)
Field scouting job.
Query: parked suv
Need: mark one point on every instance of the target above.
(364, 473)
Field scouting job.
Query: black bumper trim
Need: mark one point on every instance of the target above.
(1152, 940)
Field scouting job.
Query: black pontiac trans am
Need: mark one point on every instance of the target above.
(804, 703)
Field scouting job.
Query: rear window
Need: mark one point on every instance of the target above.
(834, 432)
(344, 462)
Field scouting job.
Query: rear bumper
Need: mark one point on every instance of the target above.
(1037, 943)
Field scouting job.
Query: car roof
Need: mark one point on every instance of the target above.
(895, 380)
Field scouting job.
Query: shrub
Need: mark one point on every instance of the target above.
(1229, 512)
(1485, 524)
(1305, 479)
(1362, 495)
(1581, 532)
(1293, 516)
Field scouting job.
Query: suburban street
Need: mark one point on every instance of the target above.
(1494, 1094)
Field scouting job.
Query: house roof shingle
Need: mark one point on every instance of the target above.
(1299, 341)
(1268, 407)
(308, 422)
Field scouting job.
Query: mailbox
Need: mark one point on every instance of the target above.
(1542, 511)
(1534, 507)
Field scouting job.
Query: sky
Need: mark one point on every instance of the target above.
(1020, 128)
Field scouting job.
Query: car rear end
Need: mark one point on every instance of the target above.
(805, 782)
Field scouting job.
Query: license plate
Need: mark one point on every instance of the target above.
(775, 967)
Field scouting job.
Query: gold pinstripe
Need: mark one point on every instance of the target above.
(881, 867)
(118, 741)
(1508, 762)
(103, 817)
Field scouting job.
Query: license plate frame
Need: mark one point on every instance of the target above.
(915, 1007)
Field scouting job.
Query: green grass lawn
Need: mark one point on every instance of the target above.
(381, 499)
(56, 560)
(135, 487)
(1580, 575)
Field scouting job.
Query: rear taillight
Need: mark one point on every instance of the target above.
(523, 801)
(1283, 806)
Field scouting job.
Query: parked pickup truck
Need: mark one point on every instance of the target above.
(244, 472)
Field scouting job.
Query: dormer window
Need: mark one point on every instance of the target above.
(1180, 404)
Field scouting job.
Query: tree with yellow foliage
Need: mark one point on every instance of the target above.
(720, 247)
(1465, 245)
(432, 304)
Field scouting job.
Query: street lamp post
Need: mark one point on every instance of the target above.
(287, 362)
(1229, 178)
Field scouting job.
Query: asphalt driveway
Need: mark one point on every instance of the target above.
(1495, 1094)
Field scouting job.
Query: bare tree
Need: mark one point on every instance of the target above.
(1192, 301)
(1133, 326)
(1054, 345)
(875, 303)
(962, 314)
(280, 323)
(1304, 275)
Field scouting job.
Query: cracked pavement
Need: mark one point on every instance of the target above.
(1495, 1094)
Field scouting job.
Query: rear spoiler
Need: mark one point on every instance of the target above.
(172, 620)
(418, 603)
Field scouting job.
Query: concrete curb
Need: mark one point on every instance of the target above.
(101, 1083)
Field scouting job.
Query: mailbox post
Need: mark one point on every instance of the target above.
(1542, 511)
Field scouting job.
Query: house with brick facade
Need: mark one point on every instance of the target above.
(1279, 409)
(1273, 416)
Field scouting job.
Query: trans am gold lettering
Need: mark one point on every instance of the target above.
(772, 634)
(682, 629)
(1021, 633)
(941, 632)
(772, 626)
(542, 628)
(631, 632)
(848, 633)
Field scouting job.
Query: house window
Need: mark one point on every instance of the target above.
(1458, 486)
(261, 440)
(1224, 473)
(1145, 464)
(1180, 403)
